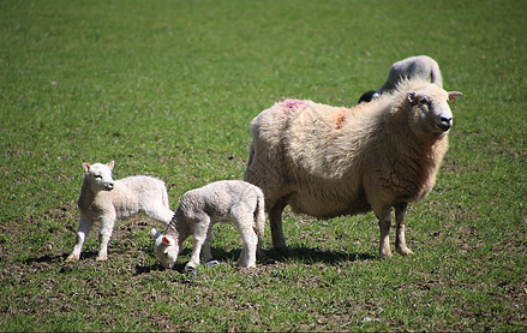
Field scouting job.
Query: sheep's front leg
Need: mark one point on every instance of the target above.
(107, 226)
(207, 254)
(400, 219)
(83, 231)
(198, 239)
(275, 221)
(385, 224)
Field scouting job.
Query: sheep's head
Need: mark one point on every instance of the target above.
(99, 176)
(431, 112)
(166, 248)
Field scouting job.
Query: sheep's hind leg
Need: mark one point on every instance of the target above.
(275, 221)
(400, 219)
(385, 224)
(250, 242)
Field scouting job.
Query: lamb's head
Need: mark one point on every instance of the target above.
(430, 112)
(99, 176)
(166, 248)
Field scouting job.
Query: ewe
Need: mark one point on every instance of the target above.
(422, 67)
(327, 161)
(106, 201)
(222, 201)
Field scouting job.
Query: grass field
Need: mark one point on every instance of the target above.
(168, 89)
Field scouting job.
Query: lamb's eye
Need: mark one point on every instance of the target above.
(98, 176)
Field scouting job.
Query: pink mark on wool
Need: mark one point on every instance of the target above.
(294, 103)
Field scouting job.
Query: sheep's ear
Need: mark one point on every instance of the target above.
(111, 165)
(453, 95)
(155, 233)
(86, 166)
(167, 240)
(411, 97)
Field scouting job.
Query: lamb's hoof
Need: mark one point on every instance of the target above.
(72, 258)
(190, 273)
(385, 254)
(189, 270)
(101, 258)
(213, 263)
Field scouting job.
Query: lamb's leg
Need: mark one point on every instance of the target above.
(400, 219)
(107, 225)
(198, 239)
(250, 243)
(207, 254)
(385, 223)
(83, 231)
(275, 221)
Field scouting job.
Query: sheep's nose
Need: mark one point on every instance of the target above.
(445, 123)
(110, 186)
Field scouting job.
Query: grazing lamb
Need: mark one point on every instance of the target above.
(222, 201)
(423, 67)
(328, 161)
(105, 200)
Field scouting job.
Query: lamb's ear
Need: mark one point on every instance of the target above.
(155, 233)
(111, 165)
(86, 166)
(167, 240)
(411, 96)
(453, 95)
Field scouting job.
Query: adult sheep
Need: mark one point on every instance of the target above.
(423, 67)
(329, 161)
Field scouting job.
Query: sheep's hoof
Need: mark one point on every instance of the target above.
(404, 251)
(213, 263)
(283, 249)
(260, 255)
(72, 258)
(101, 258)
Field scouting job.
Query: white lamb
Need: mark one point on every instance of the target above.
(422, 67)
(328, 161)
(105, 200)
(229, 200)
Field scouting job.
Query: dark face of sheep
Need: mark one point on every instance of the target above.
(431, 112)
(368, 96)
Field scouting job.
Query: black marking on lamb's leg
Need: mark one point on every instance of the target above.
(275, 221)
(400, 219)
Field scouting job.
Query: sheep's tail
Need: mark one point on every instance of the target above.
(164, 198)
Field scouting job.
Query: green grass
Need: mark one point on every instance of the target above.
(168, 88)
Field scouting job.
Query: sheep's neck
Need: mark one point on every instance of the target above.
(87, 196)
(178, 228)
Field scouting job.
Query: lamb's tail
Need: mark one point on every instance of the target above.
(164, 198)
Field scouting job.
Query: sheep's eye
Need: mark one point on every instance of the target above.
(98, 176)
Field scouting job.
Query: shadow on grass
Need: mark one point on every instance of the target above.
(301, 254)
(311, 255)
